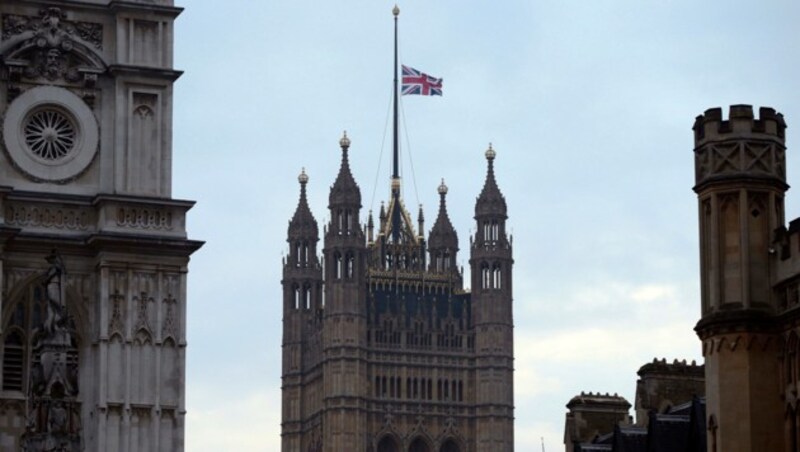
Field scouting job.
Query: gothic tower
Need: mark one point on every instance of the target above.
(408, 359)
(302, 310)
(740, 184)
(491, 263)
(344, 371)
(93, 248)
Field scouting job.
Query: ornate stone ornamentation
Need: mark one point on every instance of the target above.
(50, 41)
(142, 316)
(116, 323)
(144, 218)
(23, 215)
(169, 327)
(50, 134)
(54, 416)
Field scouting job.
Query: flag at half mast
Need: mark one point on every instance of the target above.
(416, 82)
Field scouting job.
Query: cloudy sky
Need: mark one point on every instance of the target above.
(589, 105)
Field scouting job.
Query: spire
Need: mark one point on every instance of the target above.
(370, 228)
(490, 201)
(345, 191)
(303, 224)
(443, 235)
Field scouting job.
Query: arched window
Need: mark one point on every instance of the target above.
(419, 445)
(27, 316)
(485, 276)
(349, 267)
(13, 360)
(296, 291)
(496, 277)
(337, 266)
(450, 446)
(307, 297)
(297, 254)
(388, 444)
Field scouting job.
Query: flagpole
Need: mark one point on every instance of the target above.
(395, 175)
(395, 214)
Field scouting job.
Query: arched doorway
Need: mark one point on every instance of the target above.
(388, 444)
(449, 446)
(419, 445)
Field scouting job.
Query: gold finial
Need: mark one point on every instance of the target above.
(442, 188)
(396, 11)
(344, 142)
(303, 177)
(490, 153)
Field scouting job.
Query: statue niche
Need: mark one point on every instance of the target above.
(53, 407)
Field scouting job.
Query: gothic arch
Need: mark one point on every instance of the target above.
(451, 445)
(388, 443)
(23, 320)
(420, 444)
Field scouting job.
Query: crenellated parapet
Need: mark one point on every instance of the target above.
(740, 146)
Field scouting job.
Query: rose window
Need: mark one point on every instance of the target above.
(50, 134)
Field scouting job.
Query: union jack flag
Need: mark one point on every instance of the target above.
(416, 82)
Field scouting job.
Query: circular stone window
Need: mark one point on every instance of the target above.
(50, 134)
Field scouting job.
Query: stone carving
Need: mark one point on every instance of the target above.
(22, 215)
(48, 44)
(116, 323)
(169, 326)
(730, 158)
(53, 407)
(144, 218)
(142, 316)
(89, 32)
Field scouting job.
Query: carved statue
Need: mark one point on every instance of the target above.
(56, 317)
(53, 405)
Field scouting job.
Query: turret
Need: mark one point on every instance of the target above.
(740, 172)
(491, 250)
(344, 319)
(443, 239)
(491, 264)
(302, 303)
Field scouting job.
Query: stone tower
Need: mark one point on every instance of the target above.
(491, 264)
(397, 356)
(740, 184)
(93, 248)
(302, 311)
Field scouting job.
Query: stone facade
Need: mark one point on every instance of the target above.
(749, 281)
(85, 171)
(670, 414)
(663, 385)
(591, 415)
(383, 349)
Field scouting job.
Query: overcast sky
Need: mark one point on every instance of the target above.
(589, 105)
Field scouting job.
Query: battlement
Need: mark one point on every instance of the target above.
(599, 399)
(711, 127)
(662, 367)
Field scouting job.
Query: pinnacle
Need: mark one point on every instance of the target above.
(303, 223)
(491, 200)
(345, 191)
